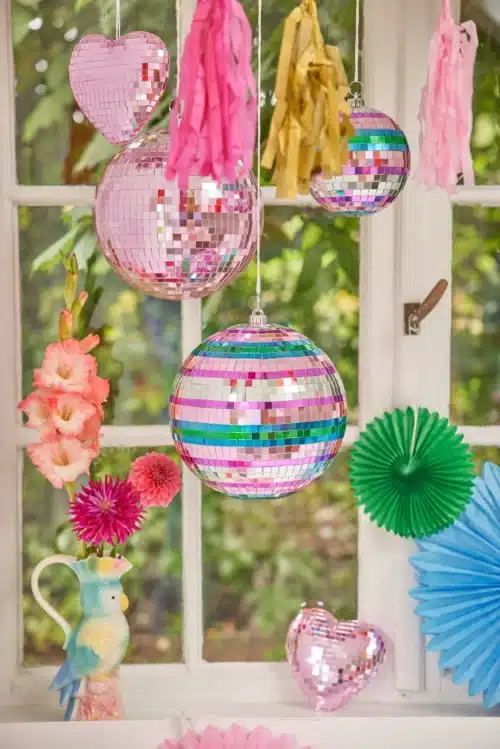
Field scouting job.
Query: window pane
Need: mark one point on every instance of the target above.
(55, 143)
(261, 560)
(485, 454)
(153, 586)
(475, 397)
(140, 334)
(310, 279)
(486, 136)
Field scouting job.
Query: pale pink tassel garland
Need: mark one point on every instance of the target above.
(446, 105)
(213, 121)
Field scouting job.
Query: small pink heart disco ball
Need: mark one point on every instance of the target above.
(118, 82)
(170, 242)
(332, 661)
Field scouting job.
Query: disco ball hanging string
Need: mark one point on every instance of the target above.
(379, 157)
(258, 411)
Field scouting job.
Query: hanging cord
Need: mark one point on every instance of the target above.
(258, 315)
(179, 46)
(357, 94)
(118, 20)
(356, 43)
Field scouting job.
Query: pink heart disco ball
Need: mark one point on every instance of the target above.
(377, 170)
(258, 411)
(118, 82)
(332, 661)
(169, 242)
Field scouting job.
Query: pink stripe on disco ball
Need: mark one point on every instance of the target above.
(256, 335)
(251, 405)
(238, 374)
(259, 485)
(262, 463)
(288, 364)
(254, 416)
(224, 452)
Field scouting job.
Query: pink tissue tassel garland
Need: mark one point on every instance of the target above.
(446, 106)
(213, 121)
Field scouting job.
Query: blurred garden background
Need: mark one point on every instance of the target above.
(260, 560)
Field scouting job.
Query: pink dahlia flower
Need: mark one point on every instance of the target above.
(106, 511)
(156, 478)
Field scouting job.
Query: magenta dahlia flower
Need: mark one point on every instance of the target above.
(106, 511)
(156, 478)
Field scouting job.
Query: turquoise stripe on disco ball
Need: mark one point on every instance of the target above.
(254, 428)
(377, 146)
(333, 436)
(459, 591)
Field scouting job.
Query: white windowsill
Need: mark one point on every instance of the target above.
(358, 726)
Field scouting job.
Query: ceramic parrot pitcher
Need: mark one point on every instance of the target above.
(88, 681)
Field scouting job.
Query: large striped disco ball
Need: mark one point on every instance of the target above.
(258, 411)
(377, 169)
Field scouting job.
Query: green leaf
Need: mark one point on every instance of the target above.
(84, 249)
(51, 256)
(20, 19)
(97, 151)
(50, 110)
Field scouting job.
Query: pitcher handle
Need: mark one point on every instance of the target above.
(46, 606)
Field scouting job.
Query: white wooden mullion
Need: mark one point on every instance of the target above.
(81, 195)
(10, 477)
(192, 561)
(378, 550)
(422, 374)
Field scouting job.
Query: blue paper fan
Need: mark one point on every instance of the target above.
(459, 593)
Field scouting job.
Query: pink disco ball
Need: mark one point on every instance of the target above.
(169, 242)
(258, 411)
(377, 170)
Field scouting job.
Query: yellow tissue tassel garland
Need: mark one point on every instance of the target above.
(311, 126)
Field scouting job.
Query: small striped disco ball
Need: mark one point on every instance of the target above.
(258, 411)
(377, 170)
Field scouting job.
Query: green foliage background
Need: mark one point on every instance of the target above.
(261, 560)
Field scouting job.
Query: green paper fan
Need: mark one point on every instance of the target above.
(411, 472)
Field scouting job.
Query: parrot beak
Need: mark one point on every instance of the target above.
(123, 602)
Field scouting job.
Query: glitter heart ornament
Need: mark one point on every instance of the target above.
(332, 661)
(118, 82)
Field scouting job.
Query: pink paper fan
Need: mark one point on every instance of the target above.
(235, 737)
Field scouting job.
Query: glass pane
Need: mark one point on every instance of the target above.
(261, 560)
(140, 335)
(153, 585)
(486, 134)
(485, 454)
(475, 395)
(310, 279)
(55, 143)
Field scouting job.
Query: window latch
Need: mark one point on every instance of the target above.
(416, 312)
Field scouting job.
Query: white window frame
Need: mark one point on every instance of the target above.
(404, 251)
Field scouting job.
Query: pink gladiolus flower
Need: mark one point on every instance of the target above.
(38, 408)
(89, 342)
(91, 433)
(61, 462)
(71, 412)
(65, 368)
(156, 478)
(98, 390)
(106, 511)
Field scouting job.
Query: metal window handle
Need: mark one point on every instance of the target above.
(415, 312)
